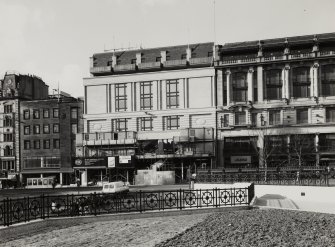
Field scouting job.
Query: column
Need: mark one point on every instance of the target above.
(286, 83)
(260, 144)
(163, 94)
(181, 99)
(84, 177)
(260, 83)
(317, 149)
(315, 81)
(154, 95)
(229, 88)
(112, 88)
(250, 85)
(129, 98)
(61, 178)
(219, 87)
(138, 96)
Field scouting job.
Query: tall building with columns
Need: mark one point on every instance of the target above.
(148, 105)
(276, 102)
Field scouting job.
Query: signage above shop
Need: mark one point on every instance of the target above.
(240, 159)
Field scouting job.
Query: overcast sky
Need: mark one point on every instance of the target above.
(55, 38)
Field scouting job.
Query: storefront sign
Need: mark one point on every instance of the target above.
(111, 162)
(125, 159)
(240, 159)
(89, 162)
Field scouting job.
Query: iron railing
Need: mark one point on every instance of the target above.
(14, 211)
(275, 178)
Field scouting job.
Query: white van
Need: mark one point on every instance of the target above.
(115, 187)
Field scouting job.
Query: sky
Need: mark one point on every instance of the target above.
(54, 39)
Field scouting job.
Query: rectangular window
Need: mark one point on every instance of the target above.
(158, 59)
(36, 129)
(8, 137)
(172, 122)
(133, 61)
(26, 145)
(146, 95)
(302, 116)
(183, 56)
(56, 128)
(55, 113)
(254, 119)
(172, 94)
(26, 130)
(273, 84)
(46, 144)
(193, 55)
(36, 114)
(56, 143)
(8, 108)
(121, 97)
(37, 144)
(7, 122)
(26, 114)
(328, 80)
(274, 117)
(210, 54)
(145, 124)
(330, 114)
(120, 124)
(46, 128)
(225, 121)
(46, 113)
(240, 87)
(240, 118)
(74, 128)
(74, 113)
(301, 82)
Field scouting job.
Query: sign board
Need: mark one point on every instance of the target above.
(240, 159)
(111, 162)
(89, 162)
(125, 159)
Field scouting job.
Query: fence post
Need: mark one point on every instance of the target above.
(180, 199)
(140, 192)
(42, 207)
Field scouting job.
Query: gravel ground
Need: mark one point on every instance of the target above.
(144, 232)
(259, 228)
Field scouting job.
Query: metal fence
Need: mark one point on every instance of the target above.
(13, 211)
(279, 178)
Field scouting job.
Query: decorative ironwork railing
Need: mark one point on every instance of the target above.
(13, 211)
(298, 178)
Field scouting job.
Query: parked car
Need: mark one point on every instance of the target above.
(115, 187)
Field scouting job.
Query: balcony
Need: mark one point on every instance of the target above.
(175, 63)
(273, 58)
(301, 55)
(238, 61)
(153, 65)
(201, 60)
(326, 53)
(101, 69)
(125, 67)
(105, 138)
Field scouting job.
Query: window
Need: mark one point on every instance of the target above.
(158, 59)
(26, 145)
(46, 144)
(302, 116)
(74, 113)
(274, 117)
(74, 128)
(26, 130)
(8, 108)
(36, 114)
(172, 94)
(56, 128)
(172, 122)
(225, 121)
(46, 128)
(8, 151)
(328, 80)
(146, 95)
(46, 113)
(330, 114)
(254, 119)
(37, 144)
(8, 137)
(36, 129)
(183, 56)
(133, 61)
(56, 113)
(120, 124)
(193, 55)
(142, 60)
(118, 62)
(240, 118)
(56, 143)
(274, 84)
(210, 54)
(301, 82)
(7, 122)
(145, 123)
(26, 114)
(120, 97)
(240, 87)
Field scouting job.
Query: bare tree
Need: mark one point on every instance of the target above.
(302, 147)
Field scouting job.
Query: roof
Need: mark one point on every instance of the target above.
(150, 55)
